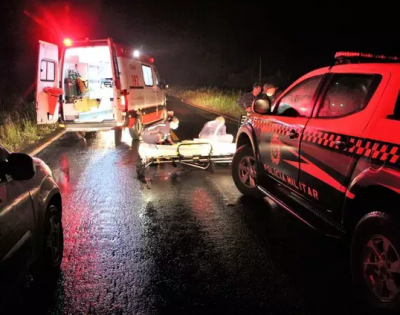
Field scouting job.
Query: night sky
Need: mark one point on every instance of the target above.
(200, 43)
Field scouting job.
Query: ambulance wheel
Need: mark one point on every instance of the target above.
(137, 129)
(79, 135)
(375, 260)
(118, 136)
(244, 172)
(164, 115)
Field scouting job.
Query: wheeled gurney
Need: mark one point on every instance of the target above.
(198, 153)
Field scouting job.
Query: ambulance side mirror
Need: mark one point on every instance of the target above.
(163, 84)
(262, 106)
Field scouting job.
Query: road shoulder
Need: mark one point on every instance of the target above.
(34, 148)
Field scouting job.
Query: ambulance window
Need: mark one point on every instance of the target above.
(50, 71)
(347, 94)
(298, 102)
(147, 75)
(157, 76)
(47, 71)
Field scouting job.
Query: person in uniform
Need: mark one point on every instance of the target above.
(246, 101)
(269, 91)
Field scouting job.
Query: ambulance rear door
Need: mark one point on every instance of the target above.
(47, 86)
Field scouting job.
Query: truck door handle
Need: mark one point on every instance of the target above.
(293, 134)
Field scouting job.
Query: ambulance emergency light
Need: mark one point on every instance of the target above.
(143, 57)
(68, 42)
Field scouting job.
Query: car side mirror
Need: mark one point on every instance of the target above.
(262, 106)
(20, 166)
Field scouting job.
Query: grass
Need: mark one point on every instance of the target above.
(18, 126)
(221, 101)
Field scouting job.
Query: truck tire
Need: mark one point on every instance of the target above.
(375, 260)
(137, 129)
(244, 172)
(118, 136)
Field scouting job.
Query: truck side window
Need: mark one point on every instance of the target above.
(347, 94)
(147, 75)
(47, 71)
(298, 102)
(396, 113)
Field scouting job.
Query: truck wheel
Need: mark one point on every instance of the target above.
(118, 136)
(53, 241)
(375, 260)
(244, 172)
(137, 129)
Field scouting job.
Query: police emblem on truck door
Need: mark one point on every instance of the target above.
(275, 149)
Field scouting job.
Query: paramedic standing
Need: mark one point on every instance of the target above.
(216, 130)
(160, 133)
(247, 99)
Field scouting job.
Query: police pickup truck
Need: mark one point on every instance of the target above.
(328, 151)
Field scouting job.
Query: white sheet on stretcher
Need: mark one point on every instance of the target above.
(147, 151)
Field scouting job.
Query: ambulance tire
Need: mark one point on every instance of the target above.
(241, 178)
(137, 129)
(91, 134)
(383, 271)
(77, 136)
(164, 115)
(118, 136)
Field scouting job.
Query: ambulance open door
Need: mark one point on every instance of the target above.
(47, 84)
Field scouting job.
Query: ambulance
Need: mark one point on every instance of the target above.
(95, 85)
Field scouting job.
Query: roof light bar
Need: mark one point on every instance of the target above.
(351, 54)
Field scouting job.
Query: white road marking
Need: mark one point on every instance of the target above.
(43, 146)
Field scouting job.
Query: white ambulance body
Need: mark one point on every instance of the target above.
(118, 88)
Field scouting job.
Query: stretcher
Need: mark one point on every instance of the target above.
(197, 153)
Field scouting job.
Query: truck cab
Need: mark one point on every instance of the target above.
(97, 85)
(327, 151)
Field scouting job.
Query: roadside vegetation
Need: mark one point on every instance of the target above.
(222, 101)
(18, 126)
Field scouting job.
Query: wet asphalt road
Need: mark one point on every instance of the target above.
(185, 242)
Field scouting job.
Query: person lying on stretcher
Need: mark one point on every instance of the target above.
(216, 130)
(160, 133)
